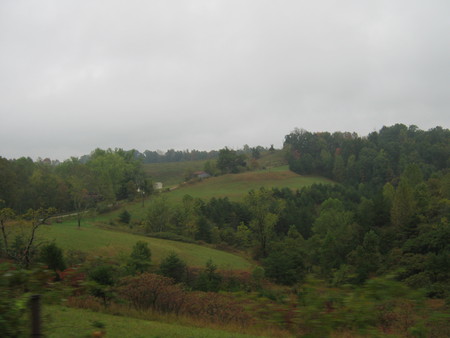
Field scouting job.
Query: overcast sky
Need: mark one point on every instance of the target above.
(77, 75)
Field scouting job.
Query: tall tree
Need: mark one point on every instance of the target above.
(264, 210)
(140, 258)
(229, 161)
(159, 215)
(36, 219)
(6, 214)
(403, 208)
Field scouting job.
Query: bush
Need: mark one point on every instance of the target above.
(285, 265)
(52, 256)
(125, 217)
(12, 304)
(209, 279)
(140, 258)
(101, 280)
(215, 307)
(159, 293)
(16, 286)
(151, 291)
(173, 267)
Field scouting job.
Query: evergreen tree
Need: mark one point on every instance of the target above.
(174, 267)
(140, 258)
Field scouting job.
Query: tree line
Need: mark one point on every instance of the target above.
(73, 185)
(388, 212)
(373, 160)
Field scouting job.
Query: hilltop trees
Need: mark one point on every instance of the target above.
(172, 155)
(385, 212)
(113, 171)
(80, 184)
(74, 185)
(373, 160)
(229, 161)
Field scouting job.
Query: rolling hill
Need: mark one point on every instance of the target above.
(104, 242)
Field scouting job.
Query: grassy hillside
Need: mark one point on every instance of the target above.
(98, 241)
(233, 186)
(172, 173)
(272, 159)
(80, 323)
(236, 186)
(103, 242)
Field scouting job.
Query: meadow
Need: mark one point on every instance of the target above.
(236, 186)
(72, 322)
(232, 186)
(171, 173)
(107, 243)
(102, 235)
(110, 241)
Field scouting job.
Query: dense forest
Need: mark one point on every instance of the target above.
(389, 213)
(108, 176)
(386, 214)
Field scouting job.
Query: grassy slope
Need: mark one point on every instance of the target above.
(235, 186)
(172, 173)
(272, 159)
(69, 322)
(78, 323)
(102, 242)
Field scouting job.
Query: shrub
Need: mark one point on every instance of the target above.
(140, 258)
(285, 265)
(101, 279)
(209, 279)
(12, 304)
(215, 307)
(52, 256)
(173, 267)
(159, 293)
(125, 217)
(152, 291)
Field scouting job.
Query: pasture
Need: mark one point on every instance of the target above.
(107, 243)
(236, 186)
(232, 186)
(71, 322)
(172, 173)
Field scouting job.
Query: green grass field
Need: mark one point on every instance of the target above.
(104, 242)
(101, 242)
(272, 159)
(236, 186)
(172, 173)
(70, 322)
(233, 186)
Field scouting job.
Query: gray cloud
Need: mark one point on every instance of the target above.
(76, 75)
